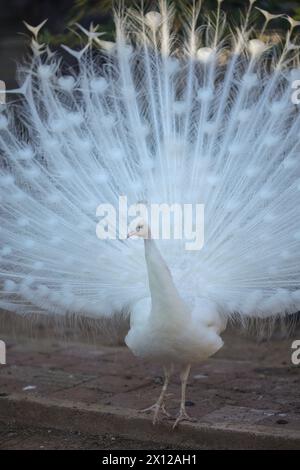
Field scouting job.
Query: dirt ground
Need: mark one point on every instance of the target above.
(24, 438)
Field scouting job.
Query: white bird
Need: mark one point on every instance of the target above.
(207, 117)
(165, 330)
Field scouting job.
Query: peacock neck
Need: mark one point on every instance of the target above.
(164, 295)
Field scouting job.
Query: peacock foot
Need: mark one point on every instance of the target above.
(183, 416)
(158, 409)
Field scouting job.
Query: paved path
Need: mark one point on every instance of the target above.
(68, 395)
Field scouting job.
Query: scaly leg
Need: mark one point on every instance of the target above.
(183, 416)
(159, 406)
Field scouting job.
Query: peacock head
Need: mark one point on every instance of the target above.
(139, 228)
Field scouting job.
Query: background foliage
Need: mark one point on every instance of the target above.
(62, 14)
(100, 12)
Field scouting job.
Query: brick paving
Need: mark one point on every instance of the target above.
(56, 394)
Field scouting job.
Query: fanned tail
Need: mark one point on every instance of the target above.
(202, 117)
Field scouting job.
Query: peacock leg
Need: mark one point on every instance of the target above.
(159, 406)
(183, 416)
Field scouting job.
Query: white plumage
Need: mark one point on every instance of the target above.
(205, 117)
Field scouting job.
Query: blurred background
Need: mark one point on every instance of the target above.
(62, 14)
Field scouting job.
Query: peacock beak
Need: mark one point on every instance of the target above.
(131, 234)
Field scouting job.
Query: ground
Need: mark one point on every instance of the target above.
(66, 395)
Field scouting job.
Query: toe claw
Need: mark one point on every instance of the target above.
(164, 412)
(183, 416)
(146, 410)
(159, 409)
